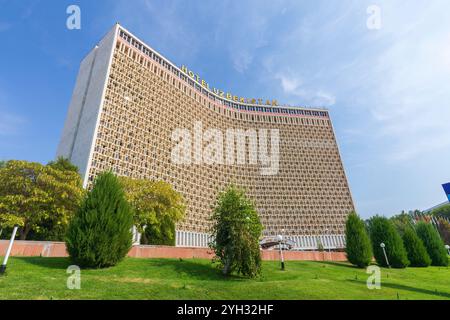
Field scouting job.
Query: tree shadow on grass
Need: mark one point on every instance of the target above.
(418, 290)
(200, 270)
(192, 269)
(408, 288)
(338, 264)
(346, 265)
(49, 263)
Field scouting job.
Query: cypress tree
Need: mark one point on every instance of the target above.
(417, 253)
(433, 243)
(358, 247)
(100, 233)
(383, 230)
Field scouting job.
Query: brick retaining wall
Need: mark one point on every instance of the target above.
(58, 249)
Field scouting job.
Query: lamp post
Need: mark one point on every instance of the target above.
(328, 240)
(8, 251)
(280, 240)
(382, 245)
(448, 249)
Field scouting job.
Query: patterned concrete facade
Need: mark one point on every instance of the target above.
(128, 101)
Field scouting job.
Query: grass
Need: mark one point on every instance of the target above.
(46, 278)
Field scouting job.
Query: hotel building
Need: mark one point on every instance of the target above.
(129, 99)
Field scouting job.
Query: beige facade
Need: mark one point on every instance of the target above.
(145, 98)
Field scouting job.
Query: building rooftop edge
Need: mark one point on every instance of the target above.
(314, 108)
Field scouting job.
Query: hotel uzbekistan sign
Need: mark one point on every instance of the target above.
(224, 94)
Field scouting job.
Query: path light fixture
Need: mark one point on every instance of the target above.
(328, 234)
(382, 245)
(448, 249)
(8, 251)
(280, 240)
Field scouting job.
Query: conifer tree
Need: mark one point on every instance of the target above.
(433, 243)
(417, 253)
(358, 247)
(382, 230)
(100, 233)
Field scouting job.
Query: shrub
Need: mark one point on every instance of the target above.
(383, 231)
(157, 207)
(100, 233)
(358, 247)
(433, 243)
(417, 253)
(162, 233)
(236, 231)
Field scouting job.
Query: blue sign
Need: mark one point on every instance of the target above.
(446, 187)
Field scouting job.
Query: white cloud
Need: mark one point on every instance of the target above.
(294, 86)
(290, 85)
(241, 60)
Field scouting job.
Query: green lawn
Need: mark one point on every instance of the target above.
(45, 278)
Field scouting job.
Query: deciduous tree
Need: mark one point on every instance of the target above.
(236, 232)
(157, 207)
(402, 221)
(63, 164)
(31, 194)
(443, 211)
(444, 230)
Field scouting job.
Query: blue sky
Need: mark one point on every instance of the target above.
(388, 90)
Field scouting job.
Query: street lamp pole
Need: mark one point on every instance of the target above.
(280, 240)
(328, 241)
(8, 251)
(382, 245)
